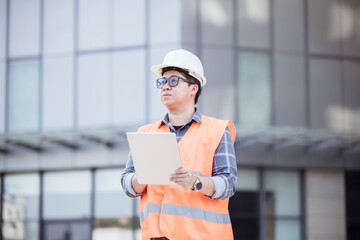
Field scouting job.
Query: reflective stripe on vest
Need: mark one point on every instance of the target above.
(150, 208)
(185, 211)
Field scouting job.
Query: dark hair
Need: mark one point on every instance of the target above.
(187, 76)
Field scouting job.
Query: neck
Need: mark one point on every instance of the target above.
(180, 117)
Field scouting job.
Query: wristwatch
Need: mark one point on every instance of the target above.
(197, 185)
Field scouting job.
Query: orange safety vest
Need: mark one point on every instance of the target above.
(178, 213)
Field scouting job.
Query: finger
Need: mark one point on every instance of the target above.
(176, 177)
(182, 170)
(187, 174)
(181, 176)
(184, 181)
(179, 170)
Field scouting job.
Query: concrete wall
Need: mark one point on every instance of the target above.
(325, 205)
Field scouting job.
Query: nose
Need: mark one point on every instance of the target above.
(166, 86)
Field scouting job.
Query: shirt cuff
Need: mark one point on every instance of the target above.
(128, 185)
(219, 187)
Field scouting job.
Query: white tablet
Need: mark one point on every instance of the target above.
(155, 156)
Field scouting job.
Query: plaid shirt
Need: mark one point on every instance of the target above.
(224, 173)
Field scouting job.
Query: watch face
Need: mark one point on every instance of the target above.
(198, 185)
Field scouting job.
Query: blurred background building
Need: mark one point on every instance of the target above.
(74, 77)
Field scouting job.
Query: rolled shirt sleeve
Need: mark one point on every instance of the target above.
(224, 173)
(126, 179)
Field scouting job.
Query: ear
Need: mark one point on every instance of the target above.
(194, 88)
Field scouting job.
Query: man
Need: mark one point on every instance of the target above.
(196, 207)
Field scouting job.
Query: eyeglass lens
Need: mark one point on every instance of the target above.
(172, 81)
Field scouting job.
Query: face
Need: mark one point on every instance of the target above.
(181, 95)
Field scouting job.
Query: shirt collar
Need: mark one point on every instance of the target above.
(195, 117)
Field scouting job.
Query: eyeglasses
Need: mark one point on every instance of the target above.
(173, 81)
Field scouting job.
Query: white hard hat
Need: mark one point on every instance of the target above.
(183, 59)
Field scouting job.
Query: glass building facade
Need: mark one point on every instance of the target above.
(75, 73)
(80, 204)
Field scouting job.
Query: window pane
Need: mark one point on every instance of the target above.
(94, 92)
(113, 229)
(126, 12)
(137, 201)
(189, 15)
(67, 230)
(253, 23)
(24, 27)
(243, 206)
(326, 94)
(2, 96)
(54, 231)
(254, 88)
(351, 95)
(217, 22)
(2, 29)
(129, 73)
(113, 209)
(67, 194)
(110, 200)
(352, 198)
(324, 26)
(282, 229)
(58, 26)
(158, 23)
(282, 193)
(28, 230)
(248, 179)
(94, 24)
(23, 96)
(244, 210)
(290, 96)
(81, 231)
(350, 17)
(218, 98)
(21, 197)
(58, 93)
(288, 25)
(2, 161)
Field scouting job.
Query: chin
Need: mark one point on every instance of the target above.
(166, 101)
(168, 105)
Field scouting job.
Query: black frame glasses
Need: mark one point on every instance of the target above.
(173, 81)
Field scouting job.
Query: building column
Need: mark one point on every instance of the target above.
(325, 204)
